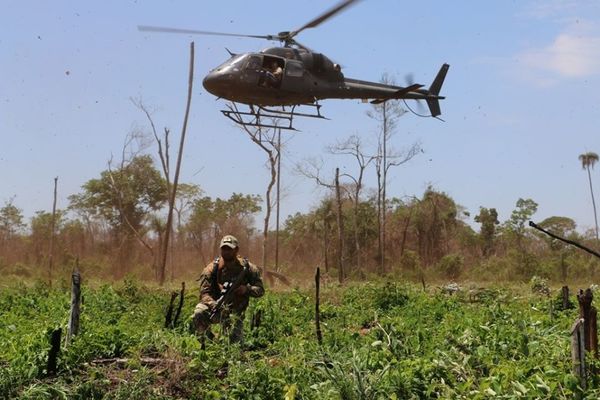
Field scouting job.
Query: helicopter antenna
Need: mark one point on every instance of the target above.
(418, 114)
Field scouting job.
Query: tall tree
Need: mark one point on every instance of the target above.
(488, 218)
(588, 160)
(435, 222)
(11, 220)
(125, 198)
(563, 227)
(268, 140)
(516, 225)
(353, 147)
(387, 115)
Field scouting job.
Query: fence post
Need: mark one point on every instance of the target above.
(585, 308)
(54, 350)
(73, 327)
(565, 297)
(593, 331)
(181, 298)
(169, 313)
(317, 312)
(578, 350)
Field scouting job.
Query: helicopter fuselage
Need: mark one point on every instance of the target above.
(304, 78)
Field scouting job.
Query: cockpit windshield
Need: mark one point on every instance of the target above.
(234, 62)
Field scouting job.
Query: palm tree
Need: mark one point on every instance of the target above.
(588, 160)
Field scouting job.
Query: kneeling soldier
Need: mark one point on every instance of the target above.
(226, 286)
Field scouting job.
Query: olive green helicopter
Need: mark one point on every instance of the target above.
(278, 82)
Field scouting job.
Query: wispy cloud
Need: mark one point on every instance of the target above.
(568, 56)
(549, 9)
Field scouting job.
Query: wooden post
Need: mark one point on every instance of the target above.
(340, 227)
(585, 308)
(278, 200)
(578, 351)
(52, 234)
(73, 328)
(169, 314)
(178, 312)
(593, 332)
(54, 350)
(317, 313)
(565, 297)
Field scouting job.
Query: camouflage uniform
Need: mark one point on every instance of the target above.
(211, 284)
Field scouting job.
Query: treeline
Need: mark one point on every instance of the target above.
(115, 226)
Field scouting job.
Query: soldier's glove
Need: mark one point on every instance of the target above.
(242, 290)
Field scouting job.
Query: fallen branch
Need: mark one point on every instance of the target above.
(571, 242)
(145, 361)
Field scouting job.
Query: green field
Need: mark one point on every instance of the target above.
(380, 341)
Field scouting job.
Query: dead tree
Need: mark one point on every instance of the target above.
(340, 227)
(317, 312)
(267, 140)
(312, 170)
(387, 114)
(353, 147)
(52, 234)
(165, 163)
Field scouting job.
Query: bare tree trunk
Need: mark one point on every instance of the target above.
(379, 223)
(384, 186)
(52, 234)
(165, 247)
(73, 327)
(356, 234)
(340, 227)
(326, 243)
(593, 200)
(317, 313)
(268, 210)
(278, 199)
(405, 232)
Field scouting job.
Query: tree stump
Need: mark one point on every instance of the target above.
(73, 327)
(565, 298)
(54, 350)
(585, 312)
(578, 350)
(317, 312)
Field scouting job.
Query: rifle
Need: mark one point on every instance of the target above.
(227, 295)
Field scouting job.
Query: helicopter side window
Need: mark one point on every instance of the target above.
(271, 72)
(294, 68)
(254, 63)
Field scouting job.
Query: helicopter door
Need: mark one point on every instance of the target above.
(252, 69)
(294, 74)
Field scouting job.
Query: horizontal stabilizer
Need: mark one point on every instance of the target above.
(399, 94)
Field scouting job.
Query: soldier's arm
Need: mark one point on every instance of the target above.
(205, 287)
(255, 283)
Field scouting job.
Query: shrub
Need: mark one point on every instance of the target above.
(539, 285)
(451, 266)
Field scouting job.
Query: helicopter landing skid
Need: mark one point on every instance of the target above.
(257, 115)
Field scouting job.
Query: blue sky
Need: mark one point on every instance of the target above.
(522, 95)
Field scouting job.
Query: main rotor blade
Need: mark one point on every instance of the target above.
(323, 17)
(145, 28)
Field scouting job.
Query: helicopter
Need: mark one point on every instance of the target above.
(278, 81)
